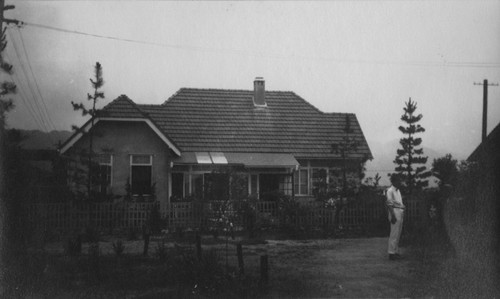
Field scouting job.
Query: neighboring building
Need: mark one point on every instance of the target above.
(276, 141)
(488, 148)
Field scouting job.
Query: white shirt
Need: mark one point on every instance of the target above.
(394, 198)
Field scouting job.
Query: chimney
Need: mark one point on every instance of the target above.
(259, 92)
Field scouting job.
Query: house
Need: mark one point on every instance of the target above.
(488, 148)
(275, 140)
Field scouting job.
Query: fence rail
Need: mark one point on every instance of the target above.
(124, 215)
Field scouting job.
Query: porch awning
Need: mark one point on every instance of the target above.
(262, 160)
(249, 160)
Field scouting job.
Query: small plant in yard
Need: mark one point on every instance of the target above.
(94, 255)
(161, 251)
(73, 245)
(247, 211)
(118, 247)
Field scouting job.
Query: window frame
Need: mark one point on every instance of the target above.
(132, 164)
(299, 185)
(110, 164)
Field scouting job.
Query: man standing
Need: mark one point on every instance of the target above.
(396, 210)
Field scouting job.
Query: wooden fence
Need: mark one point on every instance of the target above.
(125, 215)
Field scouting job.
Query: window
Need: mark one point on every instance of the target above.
(105, 162)
(319, 181)
(239, 186)
(197, 185)
(141, 168)
(301, 182)
(178, 186)
(272, 185)
(325, 180)
(253, 184)
(216, 186)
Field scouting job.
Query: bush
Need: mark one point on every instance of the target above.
(118, 247)
(161, 251)
(73, 245)
(91, 235)
(155, 221)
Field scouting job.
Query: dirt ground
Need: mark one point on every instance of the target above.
(354, 268)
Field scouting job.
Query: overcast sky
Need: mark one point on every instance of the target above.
(364, 57)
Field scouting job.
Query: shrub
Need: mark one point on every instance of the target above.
(74, 245)
(91, 235)
(155, 221)
(161, 251)
(118, 247)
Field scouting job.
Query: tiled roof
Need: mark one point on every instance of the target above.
(227, 121)
(122, 107)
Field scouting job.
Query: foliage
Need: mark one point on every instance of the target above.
(155, 221)
(73, 245)
(208, 277)
(92, 174)
(118, 247)
(11, 229)
(373, 182)
(446, 170)
(409, 159)
(18, 179)
(161, 250)
(349, 144)
(247, 211)
(6, 87)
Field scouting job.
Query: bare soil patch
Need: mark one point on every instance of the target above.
(325, 268)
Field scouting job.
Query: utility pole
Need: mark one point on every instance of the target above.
(485, 106)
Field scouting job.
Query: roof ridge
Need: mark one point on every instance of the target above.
(230, 89)
(124, 97)
(221, 90)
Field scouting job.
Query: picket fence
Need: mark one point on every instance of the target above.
(132, 215)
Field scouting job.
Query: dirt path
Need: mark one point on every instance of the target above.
(355, 268)
(331, 268)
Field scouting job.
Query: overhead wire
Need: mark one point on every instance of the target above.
(22, 95)
(44, 105)
(37, 108)
(470, 64)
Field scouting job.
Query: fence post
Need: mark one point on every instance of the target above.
(264, 271)
(239, 252)
(198, 246)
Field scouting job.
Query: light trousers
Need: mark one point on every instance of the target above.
(396, 230)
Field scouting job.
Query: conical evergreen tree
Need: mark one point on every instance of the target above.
(410, 158)
(97, 84)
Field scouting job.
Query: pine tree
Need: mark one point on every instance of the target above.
(96, 83)
(348, 145)
(410, 158)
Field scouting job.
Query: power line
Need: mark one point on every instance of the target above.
(44, 106)
(23, 97)
(467, 64)
(24, 71)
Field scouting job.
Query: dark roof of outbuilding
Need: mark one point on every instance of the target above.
(219, 120)
(489, 148)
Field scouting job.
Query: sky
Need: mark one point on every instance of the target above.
(362, 57)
